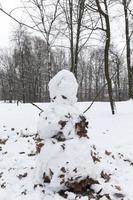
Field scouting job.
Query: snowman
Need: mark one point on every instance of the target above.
(64, 156)
(69, 165)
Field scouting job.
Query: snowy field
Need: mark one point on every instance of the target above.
(110, 137)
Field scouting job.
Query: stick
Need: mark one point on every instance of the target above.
(33, 105)
(98, 94)
(38, 108)
(95, 98)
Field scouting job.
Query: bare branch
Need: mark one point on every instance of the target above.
(16, 20)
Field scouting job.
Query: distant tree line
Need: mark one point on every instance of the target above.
(24, 75)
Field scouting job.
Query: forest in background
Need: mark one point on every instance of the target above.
(64, 35)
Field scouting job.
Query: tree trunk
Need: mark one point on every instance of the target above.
(105, 15)
(80, 15)
(128, 51)
(71, 34)
(118, 81)
(106, 59)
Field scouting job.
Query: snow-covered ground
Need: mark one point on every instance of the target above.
(111, 142)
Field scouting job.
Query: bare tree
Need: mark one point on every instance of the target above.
(8, 76)
(44, 15)
(127, 10)
(76, 17)
(128, 47)
(102, 8)
(37, 59)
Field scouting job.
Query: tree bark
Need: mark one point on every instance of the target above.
(106, 51)
(106, 60)
(71, 35)
(128, 51)
(80, 15)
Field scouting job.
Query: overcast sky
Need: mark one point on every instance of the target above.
(6, 24)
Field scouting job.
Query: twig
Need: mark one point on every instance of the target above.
(33, 105)
(95, 98)
(98, 94)
(105, 83)
(38, 108)
(21, 23)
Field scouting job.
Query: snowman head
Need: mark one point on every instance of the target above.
(63, 88)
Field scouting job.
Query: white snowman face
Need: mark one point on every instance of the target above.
(63, 88)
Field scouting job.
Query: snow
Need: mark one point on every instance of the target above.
(110, 138)
(49, 121)
(63, 88)
(62, 114)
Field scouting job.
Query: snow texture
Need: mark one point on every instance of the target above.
(61, 115)
(111, 141)
(63, 88)
(51, 121)
(70, 165)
